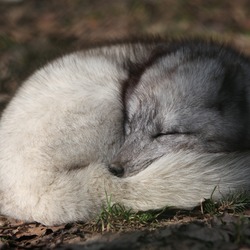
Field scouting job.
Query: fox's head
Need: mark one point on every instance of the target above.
(194, 98)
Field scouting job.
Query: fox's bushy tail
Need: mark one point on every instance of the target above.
(178, 180)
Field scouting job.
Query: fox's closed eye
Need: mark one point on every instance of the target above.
(165, 133)
(174, 132)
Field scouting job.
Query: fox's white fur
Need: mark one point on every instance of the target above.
(64, 127)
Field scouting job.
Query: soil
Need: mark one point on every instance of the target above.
(33, 32)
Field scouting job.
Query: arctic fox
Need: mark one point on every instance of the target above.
(171, 118)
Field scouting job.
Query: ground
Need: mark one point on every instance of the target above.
(32, 32)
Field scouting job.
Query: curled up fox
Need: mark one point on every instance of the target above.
(151, 123)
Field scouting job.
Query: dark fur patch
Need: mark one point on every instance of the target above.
(193, 49)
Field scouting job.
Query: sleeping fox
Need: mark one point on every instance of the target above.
(151, 123)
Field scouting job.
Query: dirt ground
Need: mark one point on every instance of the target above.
(32, 32)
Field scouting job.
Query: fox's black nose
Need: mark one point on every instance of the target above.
(116, 169)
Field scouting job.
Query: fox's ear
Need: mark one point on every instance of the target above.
(233, 91)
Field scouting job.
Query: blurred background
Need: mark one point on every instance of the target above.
(34, 31)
